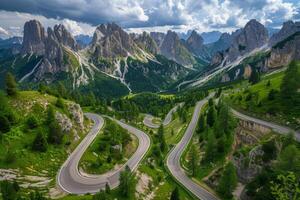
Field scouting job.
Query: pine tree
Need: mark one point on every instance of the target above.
(228, 181)
(107, 188)
(55, 135)
(40, 143)
(175, 194)
(211, 116)
(4, 124)
(60, 103)
(202, 123)
(254, 77)
(125, 181)
(10, 85)
(161, 138)
(210, 152)
(192, 160)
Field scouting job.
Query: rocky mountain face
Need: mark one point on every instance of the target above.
(52, 46)
(288, 29)
(174, 49)
(158, 37)
(284, 51)
(111, 41)
(64, 37)
(195, 44)
(243, 41)
(146, 42)
(34, 38)
(252, 36)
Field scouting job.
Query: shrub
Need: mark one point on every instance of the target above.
(32, 122)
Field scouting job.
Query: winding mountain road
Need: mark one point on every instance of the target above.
(72, 181)
(148, 119)
(275, 127)
(173, 160)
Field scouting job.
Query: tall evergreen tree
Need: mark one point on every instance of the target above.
(161, 138)
(175, 194)
(210, 152)
(10, 85)
(228, 181)
(40, 143)
(125, 182)
(254, 77)
(290, 86)
(211, 116)
(193, 160)
(202, 123)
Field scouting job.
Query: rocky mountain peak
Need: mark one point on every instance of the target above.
(145, 41)
(34, 37)
(252, 36)
(158, 37)
(288, 28)
(195, 43)
(110, 40)
(174, 49)
(65, 37)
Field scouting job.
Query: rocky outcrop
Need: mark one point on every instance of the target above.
(252, 36)
(51, 46)
(34, 38)
(195, 45)
(146, 42)
(77, 114)
(173, 49)
(249, 166)
(285, 51)
(111, 41)
(64, 37)
(64, 122)
(288, 29)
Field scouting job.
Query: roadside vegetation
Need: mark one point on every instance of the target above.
(112, 147)
(276, 97)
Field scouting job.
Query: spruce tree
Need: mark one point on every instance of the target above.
(175, 194)
(10, 85)
(228, 181)
(40, 143)
(161, 138)
(211, 116)
(192, 160)
(125, 181)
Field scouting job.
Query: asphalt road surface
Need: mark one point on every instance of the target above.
(148, 119)
(275, 127)
(72, 181)
(173, 160)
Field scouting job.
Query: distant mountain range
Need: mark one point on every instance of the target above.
(115, 62)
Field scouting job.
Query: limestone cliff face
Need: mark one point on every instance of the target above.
(51, 46)
(195, 44)
(285, 51)
(252, 36)
(173, 49)
(241, 42)
(158, 37)
(111, 41)
(34, 38)
(146, 42)
(64, 37)
(288, 28)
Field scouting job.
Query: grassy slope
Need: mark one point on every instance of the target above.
(19, 140)
(259, 105)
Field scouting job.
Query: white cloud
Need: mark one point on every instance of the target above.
(13, 22)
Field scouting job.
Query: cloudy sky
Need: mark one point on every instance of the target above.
(81, 16)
